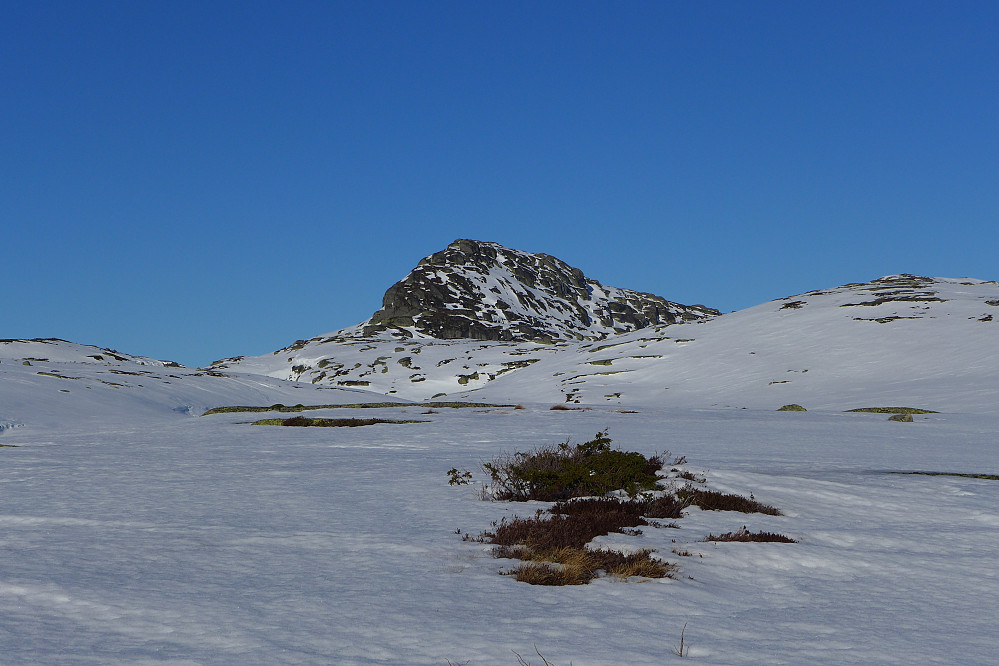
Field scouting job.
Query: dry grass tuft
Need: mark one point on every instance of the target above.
(546, 573)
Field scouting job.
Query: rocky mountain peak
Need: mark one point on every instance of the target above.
(484, 291)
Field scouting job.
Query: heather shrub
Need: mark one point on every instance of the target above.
(579, 480)
(712, 500)
(545, 534)
(667, 506)
(742, 534)
(562, 471)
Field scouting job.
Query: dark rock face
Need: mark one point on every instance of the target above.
(484, 291)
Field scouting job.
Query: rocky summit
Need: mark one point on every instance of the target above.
(484, 291)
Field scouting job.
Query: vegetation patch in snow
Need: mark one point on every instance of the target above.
(587, 482)
(742, 534)
(990, 477)
(562, 471)
(362, 405)
(893, 410)
(712, 500)
(304, 421)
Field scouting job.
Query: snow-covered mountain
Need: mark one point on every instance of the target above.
(484, 291)
(900, 337)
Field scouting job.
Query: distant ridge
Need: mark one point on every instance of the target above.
(904, 339)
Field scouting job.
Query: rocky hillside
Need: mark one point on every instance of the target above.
(897, 339)
(466, 316)
(484, 291)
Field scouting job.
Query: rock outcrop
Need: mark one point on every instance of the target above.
(484, 291)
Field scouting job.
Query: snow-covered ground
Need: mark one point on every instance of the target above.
(179, 539)
(58, 384)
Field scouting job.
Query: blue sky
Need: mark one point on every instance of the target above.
(192, 180)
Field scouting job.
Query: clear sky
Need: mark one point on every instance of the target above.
(194, 180)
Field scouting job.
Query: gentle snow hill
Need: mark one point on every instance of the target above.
(898, 340)
(51, 382)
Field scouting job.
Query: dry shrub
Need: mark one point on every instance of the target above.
(711, 500)
(577, 522)
(690, 476)
(667, 506)
(578, 566)
(640, 563)
(548, 534)
(742, 534)
(554, 547)
(303, 421)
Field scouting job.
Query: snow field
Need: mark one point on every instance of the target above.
(184, 540)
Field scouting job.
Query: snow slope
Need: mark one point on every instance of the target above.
(895, 341)
(898, 339)
(51, 383)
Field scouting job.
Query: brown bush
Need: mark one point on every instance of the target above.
(743, 534)
(667, 506)
(577, 566)
(711, 500)
(547, 534)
